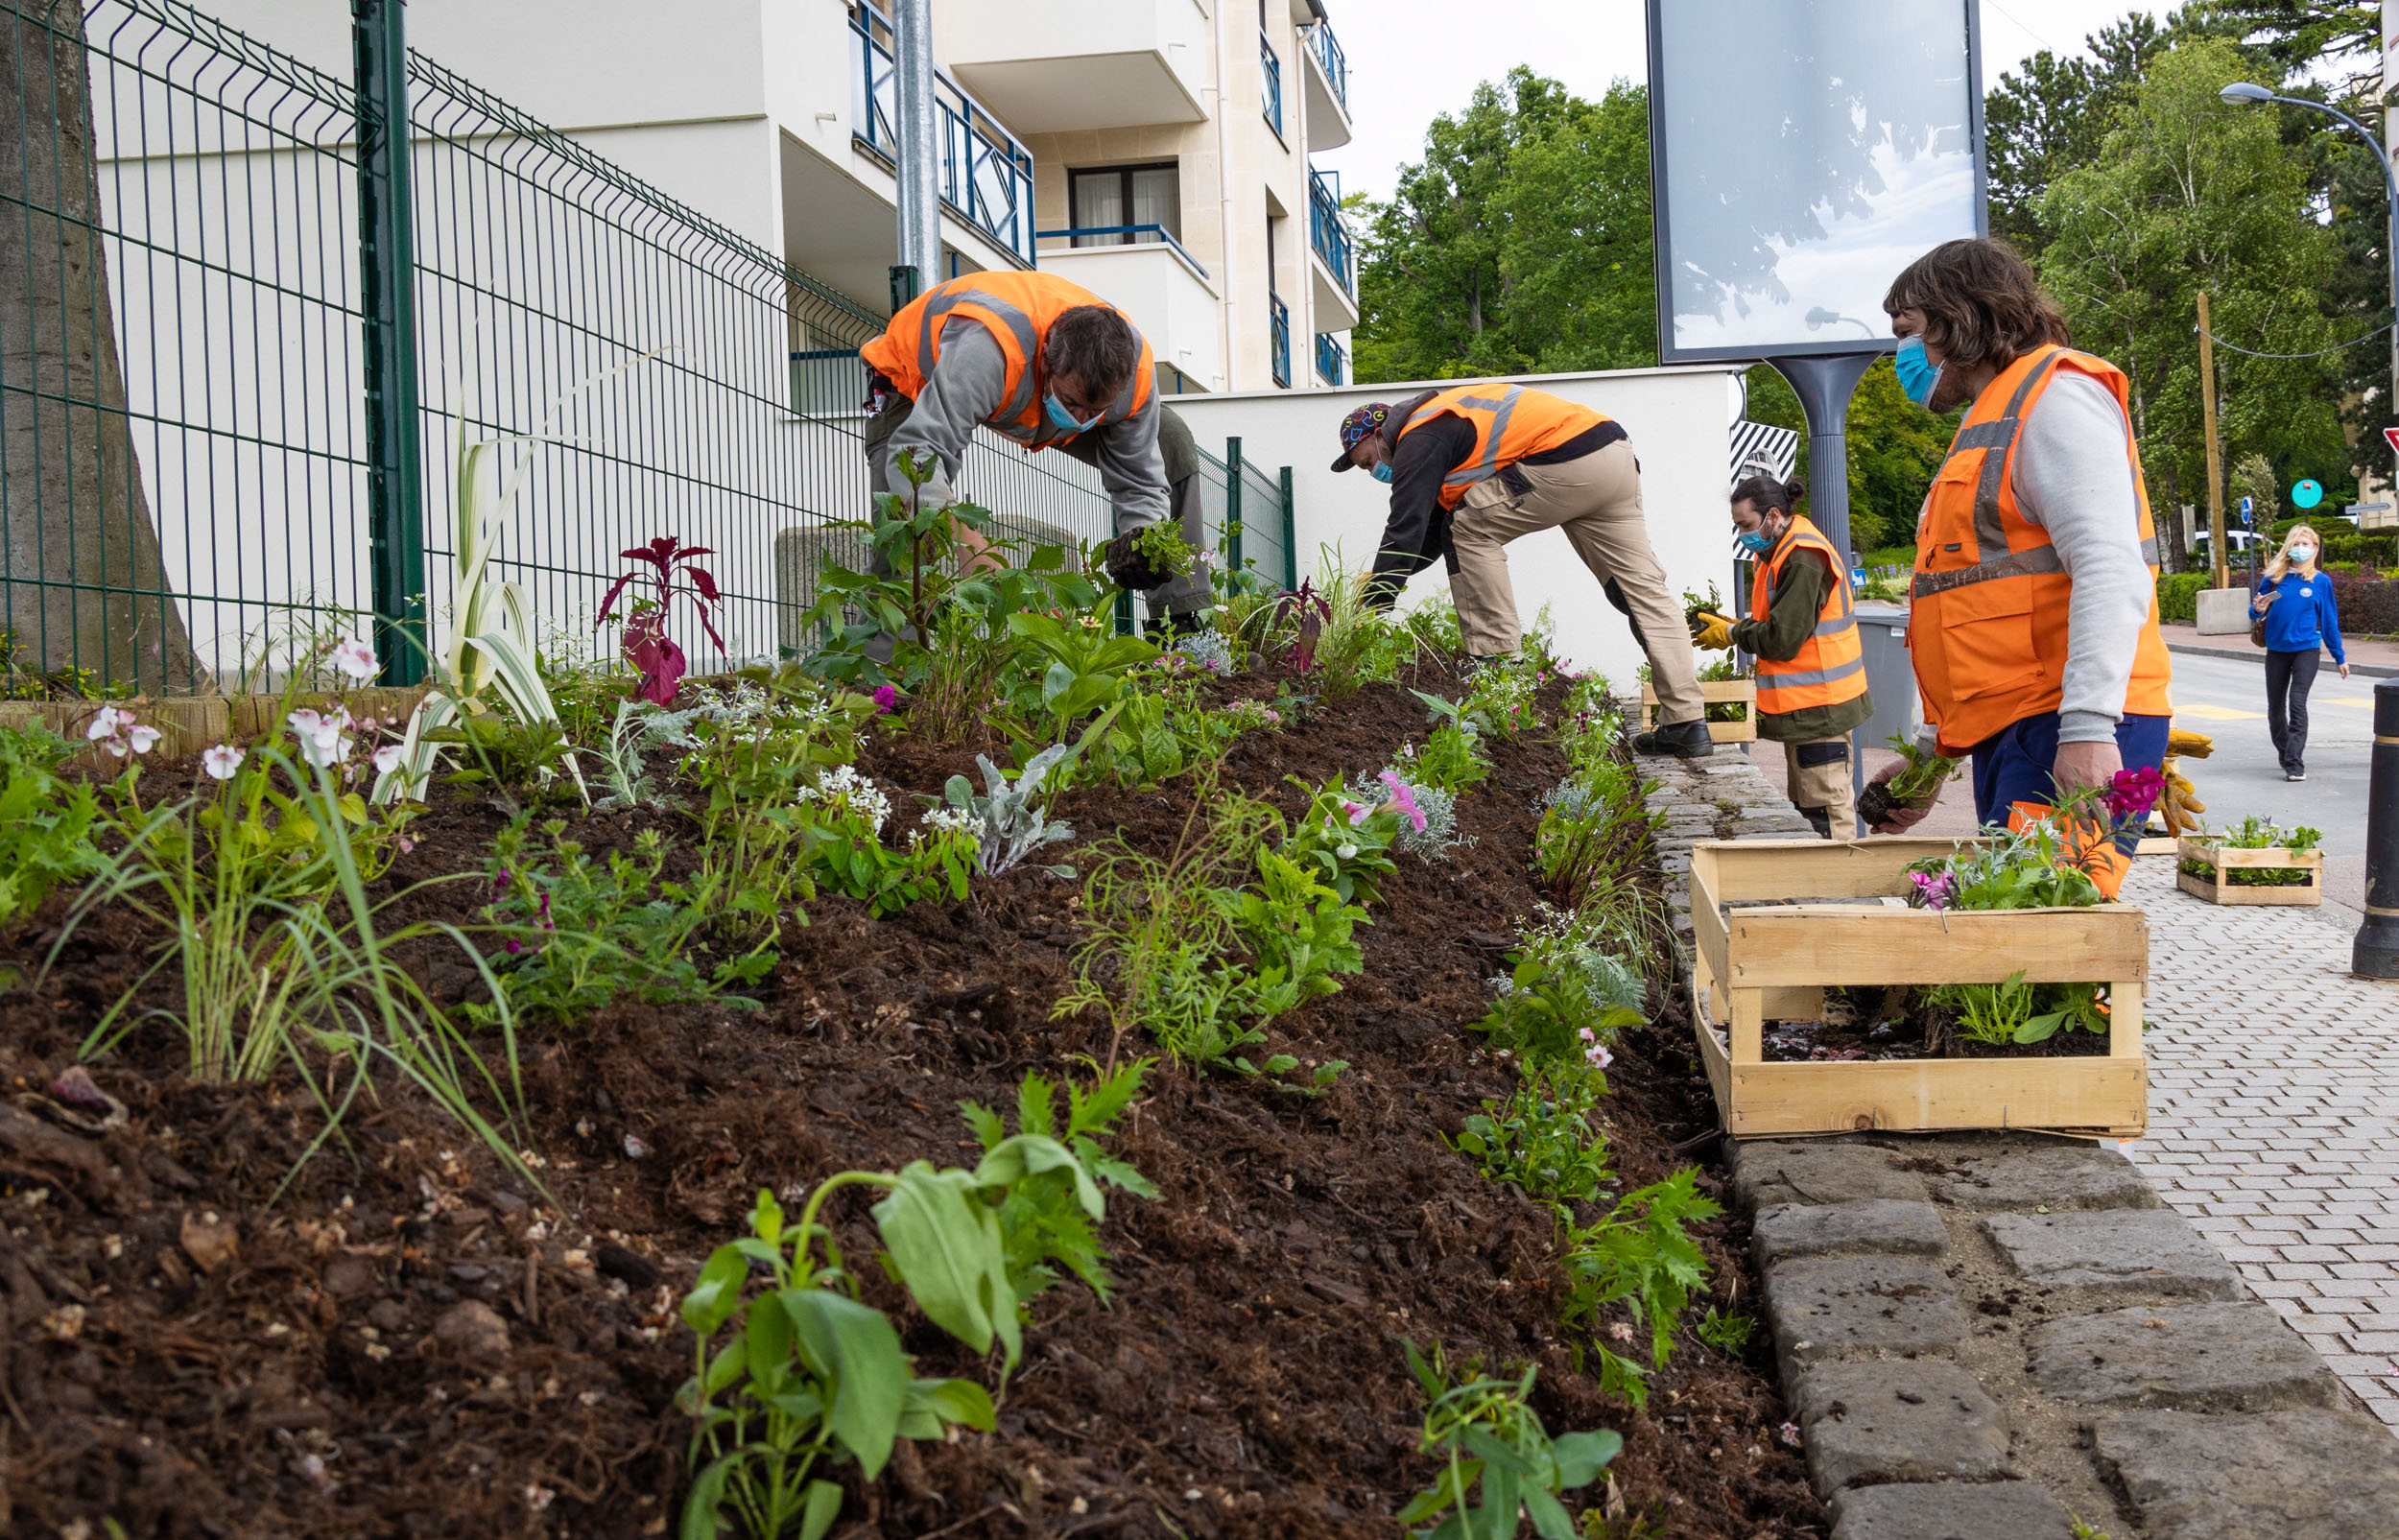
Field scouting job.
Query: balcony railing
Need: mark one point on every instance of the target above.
(1325, 230)
(1280, 339)
(985, 176)
(1096, 236)
(1332, 358)
(1271, 68)
(1336, 63)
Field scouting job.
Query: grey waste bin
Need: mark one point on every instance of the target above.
(1892, 677)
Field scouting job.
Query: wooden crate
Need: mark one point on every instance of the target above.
(1774, 955)
(2216, 891)
(1715, 692)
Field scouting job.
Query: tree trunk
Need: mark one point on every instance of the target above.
(82, 581)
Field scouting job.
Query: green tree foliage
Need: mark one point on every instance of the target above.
(2055, 115)
(1519, 243)
(2189, 194)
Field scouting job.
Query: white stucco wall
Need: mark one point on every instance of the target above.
(1677, 419)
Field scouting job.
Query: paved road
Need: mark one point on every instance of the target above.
(2227, 700)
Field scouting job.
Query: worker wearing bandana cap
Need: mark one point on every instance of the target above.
(1474, 466)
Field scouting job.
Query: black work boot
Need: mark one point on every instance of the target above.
(1821, 819)
(1173, 623)
(1684, 740)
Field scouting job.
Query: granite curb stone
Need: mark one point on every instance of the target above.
(2274, 1476)
(1860, 1307)
(2116, 1251)
(1950, 1510)
(2204, 1357)
(2022, 1175)
(1817, 1171)
(1884, 1224)
(1920, 1420)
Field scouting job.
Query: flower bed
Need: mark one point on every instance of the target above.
(442, 1254)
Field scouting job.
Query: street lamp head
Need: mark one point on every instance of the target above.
(2240, 91)
(1819, 317)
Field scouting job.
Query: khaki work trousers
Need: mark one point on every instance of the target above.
(1817, 775)
(1596, 499)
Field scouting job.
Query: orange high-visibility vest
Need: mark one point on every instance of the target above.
(1510, 423)
(1830, 666)
(1017, 309)
(1988, 620)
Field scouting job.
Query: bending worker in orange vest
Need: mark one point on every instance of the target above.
(1052, 365)
(1474, 467)
(1803, 630)
(2033, 621)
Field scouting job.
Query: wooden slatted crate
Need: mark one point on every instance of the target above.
(2217, 890)
(1716, 693)
(1769, 940)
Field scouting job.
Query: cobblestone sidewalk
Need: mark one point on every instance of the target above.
(2275, 1116)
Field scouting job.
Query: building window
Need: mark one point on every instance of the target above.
(1109, 204)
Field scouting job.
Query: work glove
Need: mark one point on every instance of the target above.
(1131, 568)
(1711, 632)
(2183, 743)
(2179, 803)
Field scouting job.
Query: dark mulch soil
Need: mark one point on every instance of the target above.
(1896, 1024)
(196, 1347)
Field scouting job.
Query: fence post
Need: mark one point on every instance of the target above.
(388, 307)
(1232, 504)
(1290, 538)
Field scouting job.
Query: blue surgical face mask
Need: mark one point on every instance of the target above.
(1918, 374)
(1757, 542)
(1064, 420)
(1383, 471)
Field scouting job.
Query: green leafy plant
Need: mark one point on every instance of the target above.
(1346, 840)
(1547, 1015)
(1089, 668)
(1639, 1255)
(1920, 779)
(1728, 1334)
(524, 765)
(1043, 1220)
(1491, 1444)
(1293, 922)
(2254, 833)
(850, 860)
(1541, 1138)
(1163, 546)
(1006, 824)
(1452, 758)
(46, 822)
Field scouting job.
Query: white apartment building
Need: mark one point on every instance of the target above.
(1153, 151)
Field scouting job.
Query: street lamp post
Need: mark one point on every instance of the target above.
(2243, 93)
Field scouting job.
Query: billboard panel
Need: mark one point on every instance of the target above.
(1802, 152)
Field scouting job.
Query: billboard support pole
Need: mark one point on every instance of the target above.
(1824, 382)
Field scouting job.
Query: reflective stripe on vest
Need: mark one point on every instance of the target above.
(1829, 667)
(1991, 633)
(1501, 439)
(1017, 309)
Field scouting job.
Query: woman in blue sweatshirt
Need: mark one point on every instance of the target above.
(2295, 602)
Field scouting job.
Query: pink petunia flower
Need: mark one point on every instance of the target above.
(1358, 812)
(1404, 800)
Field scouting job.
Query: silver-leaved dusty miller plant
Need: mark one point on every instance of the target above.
(1008, 826)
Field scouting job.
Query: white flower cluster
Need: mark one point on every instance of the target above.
(115, 730)
(842, 789)
(951, 820)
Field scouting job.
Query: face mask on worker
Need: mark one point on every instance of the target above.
(1383, 470)
(1064, 420)
(1918, 374)
(1757, 542)
(2302, 555)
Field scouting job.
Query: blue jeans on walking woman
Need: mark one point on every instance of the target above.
(2289, 677)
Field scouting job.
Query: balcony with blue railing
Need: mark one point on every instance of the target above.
(1332, 359)
(1278, 341)
(1334, 271)
(985, 176)
(1271, 84)
(1328, 87)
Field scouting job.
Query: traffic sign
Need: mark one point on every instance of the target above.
(2245, 505)
(2307, 493)
(2391, 435)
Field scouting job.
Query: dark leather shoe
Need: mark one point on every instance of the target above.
(1683, 740)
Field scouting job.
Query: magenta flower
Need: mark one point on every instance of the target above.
(1933, 890)
(886, 697)
(2132, 793)
(1404, 800)
(1357, 812)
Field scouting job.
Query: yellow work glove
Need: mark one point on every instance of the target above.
(1711, 632)
(2184, 743)
(2181, 804)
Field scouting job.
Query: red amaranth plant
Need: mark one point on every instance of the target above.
(647, 647)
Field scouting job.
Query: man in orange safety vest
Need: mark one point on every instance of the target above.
(1474, 466)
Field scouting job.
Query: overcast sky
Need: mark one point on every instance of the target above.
(1412, 58)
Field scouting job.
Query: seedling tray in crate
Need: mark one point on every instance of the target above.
(1772, 932)
(2223, 861)
(1716, 693)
